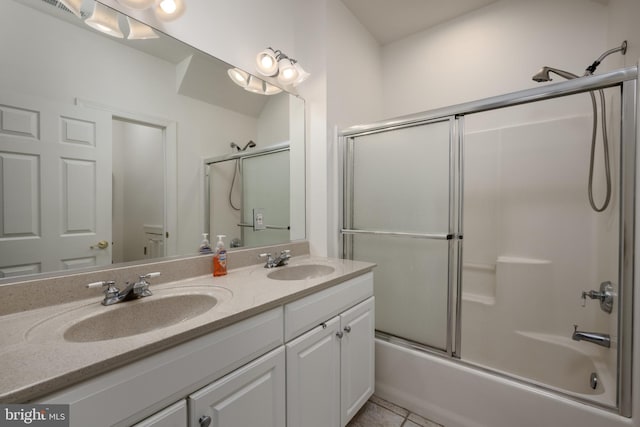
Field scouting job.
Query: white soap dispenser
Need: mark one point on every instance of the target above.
(205, 246)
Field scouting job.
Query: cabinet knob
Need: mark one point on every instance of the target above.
(205, 421)
(347, 329)
(339, 334)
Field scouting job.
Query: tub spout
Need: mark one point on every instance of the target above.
(603, 340)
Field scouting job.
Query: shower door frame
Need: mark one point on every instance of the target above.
(627, 80)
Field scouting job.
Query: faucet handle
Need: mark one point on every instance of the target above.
(150, 275)
(265, 255)
(110, 284)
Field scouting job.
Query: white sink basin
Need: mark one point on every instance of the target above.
(300, 272)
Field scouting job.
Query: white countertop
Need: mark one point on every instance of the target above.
(36, 360)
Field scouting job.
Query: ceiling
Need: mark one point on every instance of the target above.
(391, 20)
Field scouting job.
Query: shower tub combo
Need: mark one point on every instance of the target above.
(503, 287)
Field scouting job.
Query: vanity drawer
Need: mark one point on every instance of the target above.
(146, 386)
(307, 313)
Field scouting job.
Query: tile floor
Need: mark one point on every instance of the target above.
(380, 413)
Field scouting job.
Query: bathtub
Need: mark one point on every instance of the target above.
(555, 362)
(455, 394)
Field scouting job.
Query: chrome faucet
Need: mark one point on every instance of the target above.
(282, 259)
(113, 295)
(603, 340)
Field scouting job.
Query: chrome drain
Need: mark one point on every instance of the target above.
(593, 380)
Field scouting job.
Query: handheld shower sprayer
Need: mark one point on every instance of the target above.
(543, 75)
(237, 170)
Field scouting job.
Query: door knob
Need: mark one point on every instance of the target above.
(102, 244)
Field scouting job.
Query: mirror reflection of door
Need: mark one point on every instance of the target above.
(55, 164)
(138, 191)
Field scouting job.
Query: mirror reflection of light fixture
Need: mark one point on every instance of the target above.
(105, 20)
(168, 10)
(270, 89)
(267, 62)
(137, 4)
(275, 63)
(255, 85)
(140, 31)
(239, 77)
(252, 83)
(73, 6)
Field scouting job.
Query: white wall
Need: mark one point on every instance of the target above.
(491, 51)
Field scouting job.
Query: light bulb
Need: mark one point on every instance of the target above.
(266, 61)
(168, 6)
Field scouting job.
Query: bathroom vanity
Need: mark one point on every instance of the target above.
(293, 350)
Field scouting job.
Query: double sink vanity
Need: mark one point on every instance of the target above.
(291, 345)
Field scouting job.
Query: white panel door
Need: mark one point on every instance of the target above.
(253, 395)
(313, 377)
(55, 186)
(357, 358)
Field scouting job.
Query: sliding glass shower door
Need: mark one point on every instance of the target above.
(400, 215)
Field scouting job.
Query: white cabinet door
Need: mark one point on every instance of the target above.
(253, 395)
(313, 377)
(173, 416)
(356, 358)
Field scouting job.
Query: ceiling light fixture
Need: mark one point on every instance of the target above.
(140, 31)
(105, 20)
(274, 63)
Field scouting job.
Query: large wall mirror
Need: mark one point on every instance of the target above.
(108, 145)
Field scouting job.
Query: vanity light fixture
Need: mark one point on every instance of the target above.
(267, 62)
(105, 20)
(73, 6)
(252, 83)
(137, 4)
(272, 63)
(140, 31)
(168, 10)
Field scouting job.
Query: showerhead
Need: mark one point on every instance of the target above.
(543, 75)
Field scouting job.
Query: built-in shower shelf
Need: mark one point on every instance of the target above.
(479, 299)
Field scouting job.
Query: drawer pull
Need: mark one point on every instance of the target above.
(205, 421)
(339, 334)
